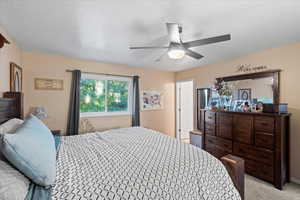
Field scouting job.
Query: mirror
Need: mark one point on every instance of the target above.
(254, 88)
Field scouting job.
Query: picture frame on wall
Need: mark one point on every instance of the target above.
(244, 94)
(48, 84)
(16, 78)
(152, 100)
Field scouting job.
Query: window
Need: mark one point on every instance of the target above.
(104, 95)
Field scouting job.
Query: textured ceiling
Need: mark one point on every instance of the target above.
(102, 30)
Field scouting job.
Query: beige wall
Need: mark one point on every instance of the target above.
(286, 58)
(9, 53)
(56, 102)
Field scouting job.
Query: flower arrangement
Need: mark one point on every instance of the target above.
(222, 88)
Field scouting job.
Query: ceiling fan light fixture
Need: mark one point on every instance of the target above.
(176, 53)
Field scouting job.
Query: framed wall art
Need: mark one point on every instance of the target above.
(48, 84)
(16, 78)
(152, 100)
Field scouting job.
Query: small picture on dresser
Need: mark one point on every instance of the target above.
(244, 94)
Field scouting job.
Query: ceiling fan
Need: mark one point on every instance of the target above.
(178, 49)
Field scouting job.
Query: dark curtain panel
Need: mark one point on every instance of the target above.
(74, 110)
(136, 102)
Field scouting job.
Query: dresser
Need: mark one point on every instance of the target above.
(261, 139)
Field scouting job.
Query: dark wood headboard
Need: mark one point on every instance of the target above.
(11, 106)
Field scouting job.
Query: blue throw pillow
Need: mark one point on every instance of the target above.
(32, 150)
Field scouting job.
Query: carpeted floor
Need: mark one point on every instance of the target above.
(256, 189)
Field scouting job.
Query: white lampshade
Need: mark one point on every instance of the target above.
(40, 113)
(176, 53)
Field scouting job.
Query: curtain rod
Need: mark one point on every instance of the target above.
(68, 70)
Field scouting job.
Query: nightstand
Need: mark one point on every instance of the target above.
(56, 132)
(196, 138)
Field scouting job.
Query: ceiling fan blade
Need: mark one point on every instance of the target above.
(207, 41)
(160, 57)
(193, 54)
(153, 47)
(174, 31)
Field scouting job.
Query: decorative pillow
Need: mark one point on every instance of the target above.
(32, 150)
(13, 184)
(10, 126)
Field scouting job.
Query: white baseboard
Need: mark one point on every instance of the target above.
(295, 180)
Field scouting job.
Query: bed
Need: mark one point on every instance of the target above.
(133, 163)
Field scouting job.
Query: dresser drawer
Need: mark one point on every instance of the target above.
(263, 155)
(210, 148)
(242, 150)
(210, 117)
(264, 140)
(259, 170)
(224, 144)
(257, 154)
(215, 151)
(219, 143)
(264, 124)
(210, 140)
(210, 128)
(219, 153)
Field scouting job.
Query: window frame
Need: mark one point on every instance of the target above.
(110, 78)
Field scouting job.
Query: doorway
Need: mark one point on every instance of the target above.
(184, 110)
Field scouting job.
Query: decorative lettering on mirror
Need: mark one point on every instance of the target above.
(249, 68)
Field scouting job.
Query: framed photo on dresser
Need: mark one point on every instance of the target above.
(244, 94)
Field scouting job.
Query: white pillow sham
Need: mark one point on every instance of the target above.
(10, 126)
(13, 184)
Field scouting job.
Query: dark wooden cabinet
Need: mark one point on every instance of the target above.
(261, 139)
(200, 120)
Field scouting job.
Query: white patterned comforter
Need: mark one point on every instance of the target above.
(137, 163)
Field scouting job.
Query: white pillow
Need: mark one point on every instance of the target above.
(13, 184)
(10, 126)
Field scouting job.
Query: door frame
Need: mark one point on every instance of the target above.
(177, 117)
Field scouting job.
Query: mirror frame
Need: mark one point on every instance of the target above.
(269, 73)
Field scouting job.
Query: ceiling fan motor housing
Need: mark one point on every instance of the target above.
(180, 29)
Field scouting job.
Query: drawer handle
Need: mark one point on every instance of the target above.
(242, 151)
(264, 172)
(264, 140)
(264, 124)
(209, 117)
(210, 141)
(263, 156)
